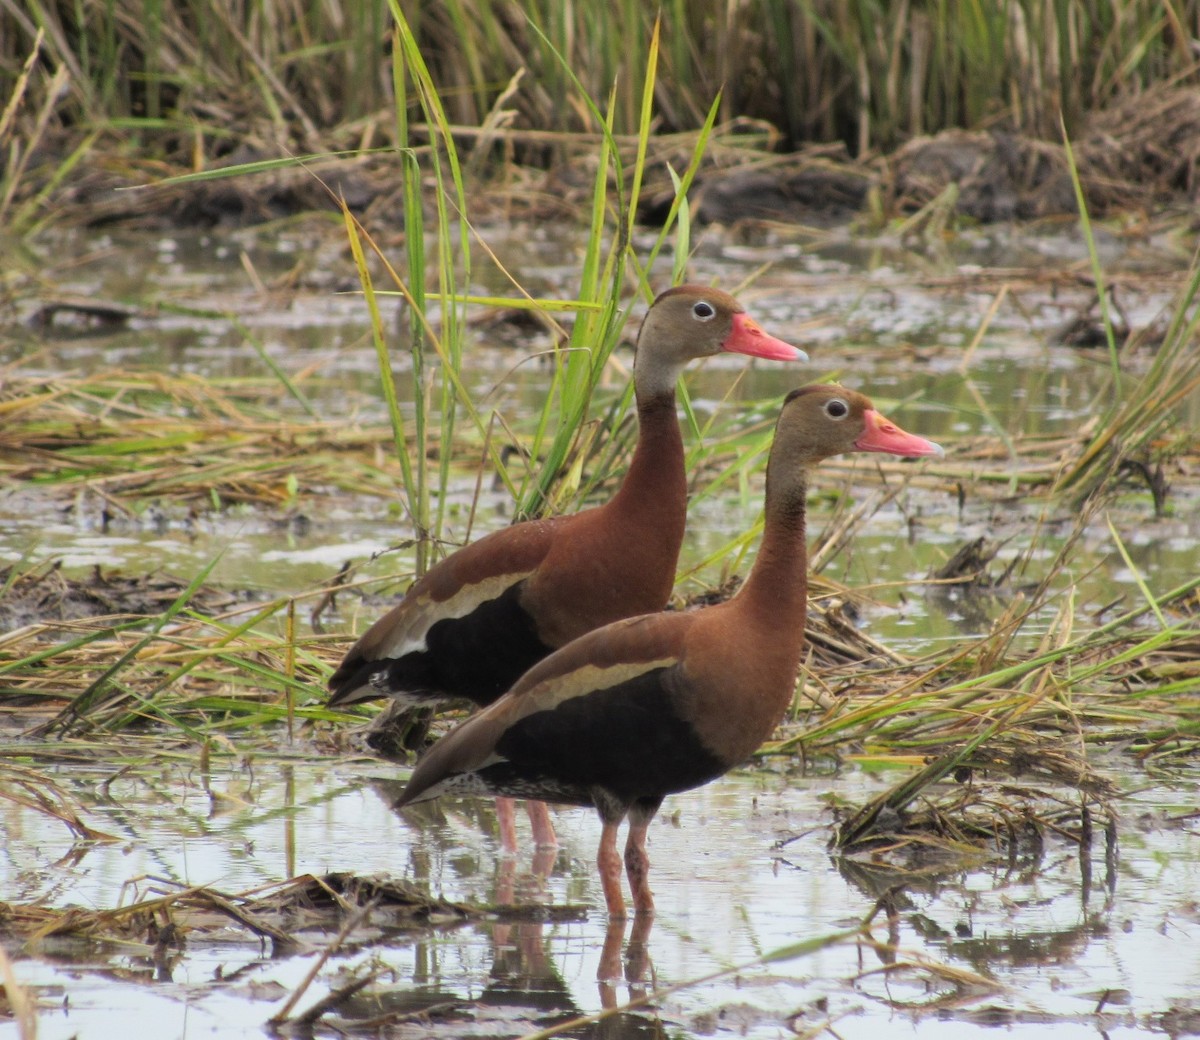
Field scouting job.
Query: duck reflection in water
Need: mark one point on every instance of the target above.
(529, 959)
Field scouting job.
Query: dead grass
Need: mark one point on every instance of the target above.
(1005, 741)
(34, 790)
(165, 914)
(126, 437)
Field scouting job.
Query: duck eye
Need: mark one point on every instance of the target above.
(703, 310)
(836, 408)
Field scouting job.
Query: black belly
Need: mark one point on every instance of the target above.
(627, 740)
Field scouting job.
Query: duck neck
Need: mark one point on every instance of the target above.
(777, 588)
(655, 480)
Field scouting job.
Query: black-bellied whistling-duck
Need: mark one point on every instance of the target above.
(652, 705)
(479, 619)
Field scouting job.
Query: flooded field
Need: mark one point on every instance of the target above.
(963, 344)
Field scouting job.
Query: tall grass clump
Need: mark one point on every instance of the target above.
(452, 261)
(1142, 418)
(194, 80)
(26, 123)
(434, 281)
(197, 66)
(1136, 415)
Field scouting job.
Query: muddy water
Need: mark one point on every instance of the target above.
(740, 869)
(1058, 941)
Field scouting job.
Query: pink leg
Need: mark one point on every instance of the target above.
(637, 866)
(543, 826)
(506, 819)
(609, 862)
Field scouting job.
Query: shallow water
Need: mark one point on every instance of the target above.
(739, 870)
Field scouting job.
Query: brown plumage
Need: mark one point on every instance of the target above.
(653, 705)
(480, 618)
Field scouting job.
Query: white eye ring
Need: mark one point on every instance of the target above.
(702, 310)
(836, 408)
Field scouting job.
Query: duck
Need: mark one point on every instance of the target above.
(662, 703)
(480, 618)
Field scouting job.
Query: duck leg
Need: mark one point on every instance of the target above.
(637, 860)
(543, 827)
(539, 820)
(608, 860)
(506, 821)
